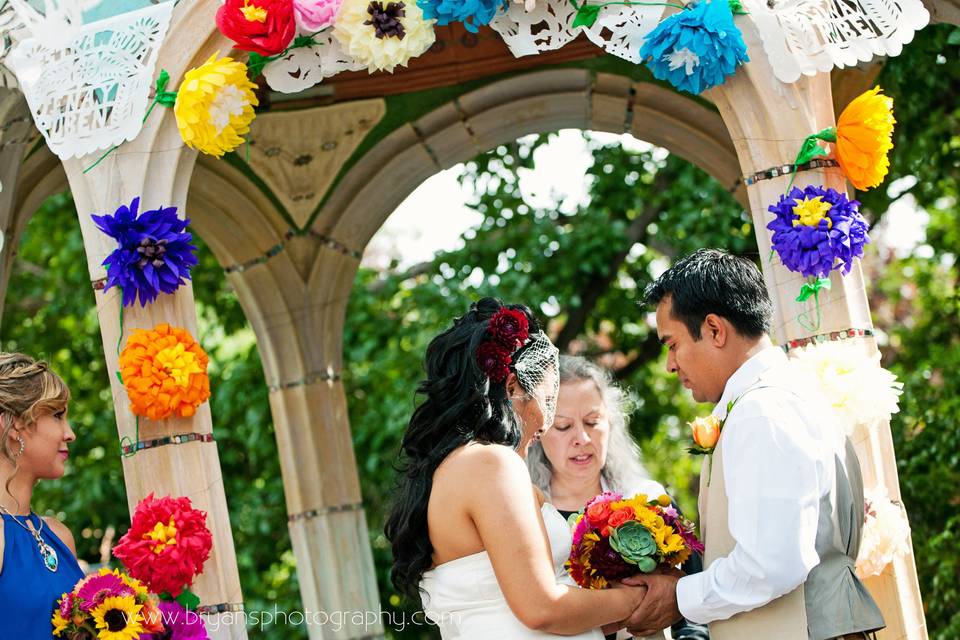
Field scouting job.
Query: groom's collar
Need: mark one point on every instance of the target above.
(748, 373)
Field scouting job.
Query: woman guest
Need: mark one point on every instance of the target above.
(37, 555)
(588, 450)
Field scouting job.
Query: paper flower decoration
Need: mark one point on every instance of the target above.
(382, 35)
(472, 13)
(265, 27)
(154, 252)
(865, 137)
(697, 48)
(314, 15)
(166, 545)
(858, 389)
(885, 536)
(214, 106)
(165, 372)
(817, 230)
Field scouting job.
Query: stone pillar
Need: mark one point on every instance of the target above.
(768, 121)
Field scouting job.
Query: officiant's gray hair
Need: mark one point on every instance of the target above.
(622, 470)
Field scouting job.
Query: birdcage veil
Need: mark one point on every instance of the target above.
(537, 367)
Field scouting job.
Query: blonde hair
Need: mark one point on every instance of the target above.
(29, 389)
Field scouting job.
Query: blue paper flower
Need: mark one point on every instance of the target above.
(817, 230)
(154, 255)
(697, 48)
(472, 13)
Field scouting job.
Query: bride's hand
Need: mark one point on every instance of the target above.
(613, 627)
(658, 610)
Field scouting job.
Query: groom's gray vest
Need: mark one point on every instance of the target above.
(832, 602)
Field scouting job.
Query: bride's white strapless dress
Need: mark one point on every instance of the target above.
(462, 597)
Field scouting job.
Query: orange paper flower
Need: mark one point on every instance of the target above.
(865, 137)
(165, 372)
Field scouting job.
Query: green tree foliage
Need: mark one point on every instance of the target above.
(582, 267)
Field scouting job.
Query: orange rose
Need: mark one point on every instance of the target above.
(620, 516)
(152, 617)
(706, 431)
(598, 514)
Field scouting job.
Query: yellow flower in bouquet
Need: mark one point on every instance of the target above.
(118, 618)
(865, 137)
(214, 106)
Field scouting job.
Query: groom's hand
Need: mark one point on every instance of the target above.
(659, 608)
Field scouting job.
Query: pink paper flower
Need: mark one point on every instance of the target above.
(313, 15)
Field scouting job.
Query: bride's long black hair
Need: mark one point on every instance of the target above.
(459, 405)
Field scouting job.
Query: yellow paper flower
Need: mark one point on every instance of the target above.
(383, 35)
(214, 106)
(117, 618)
(865, 137)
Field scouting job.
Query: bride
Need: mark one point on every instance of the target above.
(470, 533)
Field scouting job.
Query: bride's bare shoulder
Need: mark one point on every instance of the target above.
(476, 457)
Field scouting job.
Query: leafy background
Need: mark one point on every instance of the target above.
(584, 270)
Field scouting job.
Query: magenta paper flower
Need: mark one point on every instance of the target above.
(314, 15)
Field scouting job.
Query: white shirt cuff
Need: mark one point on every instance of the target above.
(690, 598)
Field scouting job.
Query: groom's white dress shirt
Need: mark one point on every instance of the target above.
(778, 462)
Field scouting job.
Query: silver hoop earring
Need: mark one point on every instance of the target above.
(22, 445)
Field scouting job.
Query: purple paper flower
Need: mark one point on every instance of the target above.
(154, 255)
(179, 624)
(817, 230)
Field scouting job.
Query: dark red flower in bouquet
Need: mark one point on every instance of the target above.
(608, 563)
(167, 544)
(494, 360)
(262, 26)
(509, 327)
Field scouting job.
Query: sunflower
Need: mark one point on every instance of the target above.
(214, 106)
(118, 618)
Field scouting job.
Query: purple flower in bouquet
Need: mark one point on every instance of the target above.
(154, 253)
(817, 230)
(179, 624)
(95, 589)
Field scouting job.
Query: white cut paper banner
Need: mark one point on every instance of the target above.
(90, 91)
(805, 37)
(303, 67)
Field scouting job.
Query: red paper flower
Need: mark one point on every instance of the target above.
(262, 26)
(167, 544)
(494, 360)
(509, 327)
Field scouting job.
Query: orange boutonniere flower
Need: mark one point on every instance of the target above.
(164, 371)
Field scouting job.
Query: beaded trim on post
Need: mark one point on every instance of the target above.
(833, 336)
(787, 169)
(180, 438)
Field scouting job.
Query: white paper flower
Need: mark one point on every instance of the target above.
(886, 533)
(857, 387)
(383, 34)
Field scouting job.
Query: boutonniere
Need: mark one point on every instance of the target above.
(706, 433)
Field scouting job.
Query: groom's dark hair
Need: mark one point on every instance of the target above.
(714, 281)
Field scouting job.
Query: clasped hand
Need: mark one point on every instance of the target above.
(658, 608)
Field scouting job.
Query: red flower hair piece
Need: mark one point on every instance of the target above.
(509, 327)
(494, 360)
(262, 26)
(167, 544)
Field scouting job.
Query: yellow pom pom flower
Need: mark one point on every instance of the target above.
(865, 137)
(214, 106)
(383, 35)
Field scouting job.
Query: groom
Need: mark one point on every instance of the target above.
(781, 504)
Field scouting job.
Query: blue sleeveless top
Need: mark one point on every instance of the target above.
(28, 590)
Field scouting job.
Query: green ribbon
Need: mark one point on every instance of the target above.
(811, 148)
(161, 96)
(811, 288)
(587, 14)
(256, 62)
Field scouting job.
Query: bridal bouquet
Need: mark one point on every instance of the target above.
(614, 538)
(106, 605)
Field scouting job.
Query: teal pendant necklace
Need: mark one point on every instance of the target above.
(48, 553)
